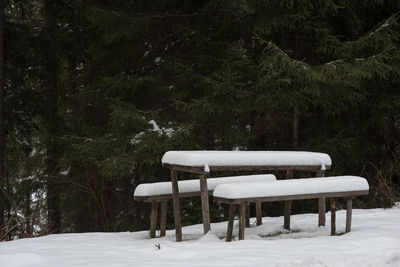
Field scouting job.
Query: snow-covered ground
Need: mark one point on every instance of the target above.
(374, 241)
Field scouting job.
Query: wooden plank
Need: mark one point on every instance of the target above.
(292, 197)
(204, 203)
(191, 169)
(248, 215)
(230, 222)
(200, 169)
(169, 196)
(288, 205)
(163, 218)
(153, 219)
(311, 168)
(333, 216)
(321, 205)
(349, 207)
(242, 215)
(177, 209)
(259, 213)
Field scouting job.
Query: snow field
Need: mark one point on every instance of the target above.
(374, 241)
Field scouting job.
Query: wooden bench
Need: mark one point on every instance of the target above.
(161, 192)
(293, 189)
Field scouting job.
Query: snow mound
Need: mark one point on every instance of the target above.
(209, 237)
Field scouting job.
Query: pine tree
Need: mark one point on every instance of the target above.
(325, 62)
(2, 130)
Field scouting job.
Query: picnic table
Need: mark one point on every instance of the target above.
(203, 162)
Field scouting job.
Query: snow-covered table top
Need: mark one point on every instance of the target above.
(245, 160)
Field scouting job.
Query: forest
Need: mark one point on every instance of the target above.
(93, 93)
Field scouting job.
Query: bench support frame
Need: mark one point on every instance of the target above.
(259, 213)
(242, 203)
(177, 209)
(153, 218)
(333, 216)
(232, 209)
(204, 197)
(288, 205)
(162, 200)
(163, 218)
(349, 208)
(242, 220)
(321, 205)
(204, 204)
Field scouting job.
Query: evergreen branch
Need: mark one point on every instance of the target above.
(145, 16)
(387, 23)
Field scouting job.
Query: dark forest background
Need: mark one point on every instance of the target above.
(95, 92)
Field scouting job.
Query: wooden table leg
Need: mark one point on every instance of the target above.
(286, 219)
(333, 216)
(288, 205)
(258, 213)
(242, 223)
(177, 209)
(163, 218)
(321, 211)
(204, 203)
(232, 208)
(248, 215)
(153, 219)
(349, 207)
(321, 205)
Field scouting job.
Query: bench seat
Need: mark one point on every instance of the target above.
(292, 189)
(151, 191)
(162, 191)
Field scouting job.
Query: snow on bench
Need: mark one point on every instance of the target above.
(162, 191)
(209, 160)
(293, 189)
(151, 191)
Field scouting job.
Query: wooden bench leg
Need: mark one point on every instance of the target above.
(286, 219)
(288, 205)
(333, 216)
(153, 219)
(321, 211)
(163, 218)
(177, 209)
(349, 206)
(248, 215)
(321, 205)
(232, 208)
(204, 203)
(258, 213)
(242, 222)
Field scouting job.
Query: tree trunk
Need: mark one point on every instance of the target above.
(295, 109)
(295, 127)
(2, 128)
(52, 121)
